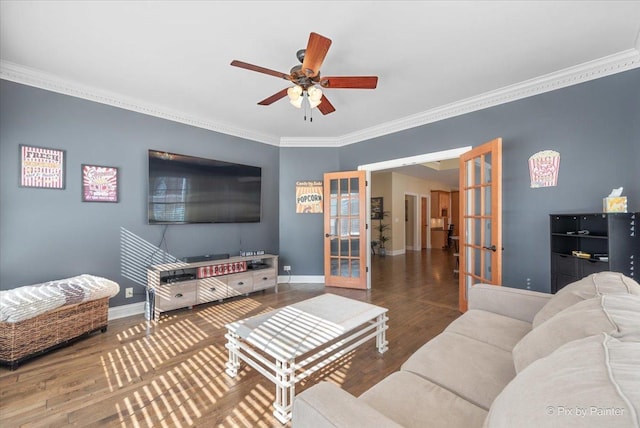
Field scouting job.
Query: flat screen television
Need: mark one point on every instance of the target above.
(187, 189)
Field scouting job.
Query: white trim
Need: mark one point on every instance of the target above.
(612, 64)
(126, 310)
(396, 252)
(310, 142)
(301, 279)
(414, 160)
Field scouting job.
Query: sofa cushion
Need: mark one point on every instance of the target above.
(326, 405)
(496, 330)
(586, 288)
(615, 314)
(474, 370)
(592, 382)
(412, 401)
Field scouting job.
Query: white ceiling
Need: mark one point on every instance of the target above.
(434, 59)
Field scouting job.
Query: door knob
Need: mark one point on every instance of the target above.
(492, 248)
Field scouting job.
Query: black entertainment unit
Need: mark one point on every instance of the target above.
(172, 279)
(205, 258)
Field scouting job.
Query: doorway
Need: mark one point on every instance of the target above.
(412, 222)
(398, 163)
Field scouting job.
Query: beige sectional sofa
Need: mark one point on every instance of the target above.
(516, 358)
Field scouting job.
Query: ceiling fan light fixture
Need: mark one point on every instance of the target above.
(314, 93)
(297, 102)
(314, 103)
(294, 92)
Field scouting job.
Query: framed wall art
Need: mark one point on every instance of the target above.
(42, 167)
(309, 196)
(376, 208)
(99, 183)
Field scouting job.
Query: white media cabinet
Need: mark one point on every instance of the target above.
(183, 285)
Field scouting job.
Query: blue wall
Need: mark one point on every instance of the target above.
(301, 241)
(51, 234)
(47, 234)
(593, 125)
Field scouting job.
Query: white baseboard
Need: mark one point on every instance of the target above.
(126, 310)
(301, 279)
(395, 252)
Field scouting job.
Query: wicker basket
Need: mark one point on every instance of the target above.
(25, 339)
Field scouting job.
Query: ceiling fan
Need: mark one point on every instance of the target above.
(306, 76)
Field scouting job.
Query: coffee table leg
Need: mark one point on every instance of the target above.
(233, 344)
(285, 391)
(381, 337)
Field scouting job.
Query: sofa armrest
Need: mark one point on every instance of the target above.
(511, 302)
(326, 405)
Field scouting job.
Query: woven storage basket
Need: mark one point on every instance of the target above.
(22, 340)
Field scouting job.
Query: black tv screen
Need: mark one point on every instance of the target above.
(186, 189)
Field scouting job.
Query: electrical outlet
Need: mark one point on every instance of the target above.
(287, 268)
(128, 292)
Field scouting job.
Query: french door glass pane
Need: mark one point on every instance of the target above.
(334, 247)
(355, 247)
(344, 206)
(487, 200)
(477, 229)
(487, 265)
(355, 269)
(477, 197)
(487, 168)
(469, 172)
(487, 232)
(344, 247)
(334, 205)
(335, 264)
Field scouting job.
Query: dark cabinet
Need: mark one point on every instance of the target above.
(606, 241)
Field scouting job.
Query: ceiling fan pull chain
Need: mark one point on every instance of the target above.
(304, 103)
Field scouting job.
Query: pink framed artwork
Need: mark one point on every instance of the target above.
(42, 167)
(99, 183)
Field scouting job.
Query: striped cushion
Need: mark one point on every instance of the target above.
(29, 301)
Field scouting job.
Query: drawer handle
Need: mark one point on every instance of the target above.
(212, 289)
(241, 283)
(264, 278)
(178, 295)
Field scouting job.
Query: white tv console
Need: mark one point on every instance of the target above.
(183, 285)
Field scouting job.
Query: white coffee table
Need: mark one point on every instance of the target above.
(317, 331)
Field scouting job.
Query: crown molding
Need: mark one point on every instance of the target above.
(39, 79)
(310, 142)
(616, 63)
(612, 64)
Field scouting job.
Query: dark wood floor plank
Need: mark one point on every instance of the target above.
(171, 372)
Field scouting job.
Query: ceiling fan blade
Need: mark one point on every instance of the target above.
(317, 49)
(259, 69)
(349, 82)
(325, 106)
(273, 98)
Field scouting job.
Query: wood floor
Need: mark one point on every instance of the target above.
(171, 373)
